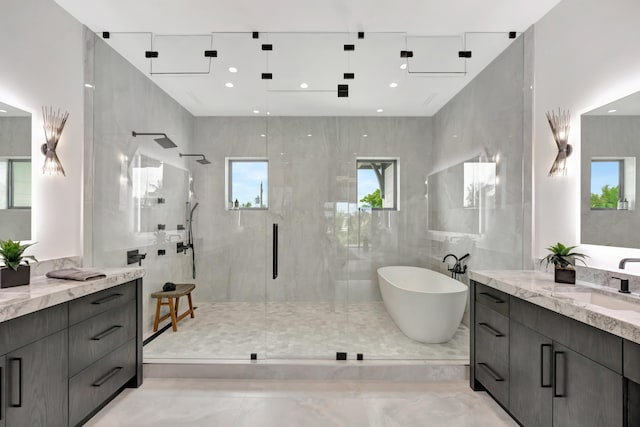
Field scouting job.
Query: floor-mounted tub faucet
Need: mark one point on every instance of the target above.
(457, 268)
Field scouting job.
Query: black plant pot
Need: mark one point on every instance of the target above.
(10, 277)
(563, 275)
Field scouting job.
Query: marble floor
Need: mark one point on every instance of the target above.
(179, 402)
(300, 330)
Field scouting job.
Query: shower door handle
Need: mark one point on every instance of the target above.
(275, 251)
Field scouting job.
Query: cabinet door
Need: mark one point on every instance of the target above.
(37, 383)
(530, 373)
(585, 392)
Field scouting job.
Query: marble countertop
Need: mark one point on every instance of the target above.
(44, 292)
(569, 300)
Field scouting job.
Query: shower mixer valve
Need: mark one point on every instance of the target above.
(457, 267)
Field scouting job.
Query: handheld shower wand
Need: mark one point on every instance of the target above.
(190, 242)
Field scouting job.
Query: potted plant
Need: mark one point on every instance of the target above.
(16, 270)
(564, 260)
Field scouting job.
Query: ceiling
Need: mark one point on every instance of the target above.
(627, 106)
(7, 110)
(308, 39)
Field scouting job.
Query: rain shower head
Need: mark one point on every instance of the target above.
(164, 140)
(202, 161)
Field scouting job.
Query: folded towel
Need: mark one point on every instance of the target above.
(79, 274)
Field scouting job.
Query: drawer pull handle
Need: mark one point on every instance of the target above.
(17, 360)
(107, 377)
(107, 332)
(542, 364)
(556, 365)
(492, 298)
(106, 299)
(490, 372)
(492, 331)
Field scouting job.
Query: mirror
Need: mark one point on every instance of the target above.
(15, 173)
(458, 194)
(608, 184)
(161, 194)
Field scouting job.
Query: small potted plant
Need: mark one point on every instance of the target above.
(16, 270)
(564, 260)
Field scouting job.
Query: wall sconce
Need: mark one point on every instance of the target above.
(53, 125)
(560, 129)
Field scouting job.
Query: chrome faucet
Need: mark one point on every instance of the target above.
(624, 261)
(457, 268)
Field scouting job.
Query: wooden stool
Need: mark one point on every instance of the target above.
(182, 289)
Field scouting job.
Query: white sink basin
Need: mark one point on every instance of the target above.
(602, 300)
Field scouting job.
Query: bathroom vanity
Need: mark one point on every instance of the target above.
(66, 347)
(554, 354)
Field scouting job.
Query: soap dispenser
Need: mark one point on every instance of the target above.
(236, 205)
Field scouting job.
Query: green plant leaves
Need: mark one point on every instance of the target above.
(12, 253)
(562, 256)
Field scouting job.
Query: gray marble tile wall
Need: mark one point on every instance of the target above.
(312, 191)
(491, 118)
(125, 100)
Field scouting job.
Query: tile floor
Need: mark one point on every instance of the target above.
(297, 331)
(181, 402)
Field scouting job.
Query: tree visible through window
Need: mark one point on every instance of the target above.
(376, 184)
(607, 180)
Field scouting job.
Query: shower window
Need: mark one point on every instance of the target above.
(377, 183)
(16, 188)
(247, 186)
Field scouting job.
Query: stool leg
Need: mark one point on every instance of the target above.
(190, 305)
(155, 323)
(174, 322)
(177, 302)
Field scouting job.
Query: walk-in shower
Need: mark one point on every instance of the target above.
(295, 152)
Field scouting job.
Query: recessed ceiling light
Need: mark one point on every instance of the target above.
(379, 110)
(309, 135)
(403, 66)
(228, 84)
(393, 84)
(263, 135)
(90, 86)
(612, 111)
(304, 85)
(365, 135)
(233, 70)
(268, 113)
(3, 111)
(256, 111)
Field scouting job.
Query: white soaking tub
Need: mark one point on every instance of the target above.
(426, 305)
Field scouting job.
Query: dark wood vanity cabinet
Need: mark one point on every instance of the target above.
(560, 372)
(54, 373)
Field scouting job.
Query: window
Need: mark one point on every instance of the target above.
(248, 183)
(613, 183)
(15, 183)
(377, 183)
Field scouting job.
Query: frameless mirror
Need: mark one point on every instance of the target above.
(458, 194)
(15, 173)
(609, 180)
(160, 193)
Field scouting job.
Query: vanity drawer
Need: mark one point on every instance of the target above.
(23, 330)
(492, 298)
(494, 379)
(99, 302)
(91, 387)
(492, 335)
(631, 363)
(95, 337)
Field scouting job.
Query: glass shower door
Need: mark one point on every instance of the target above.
(306, 302)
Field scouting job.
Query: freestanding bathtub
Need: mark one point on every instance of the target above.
(426, 305)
